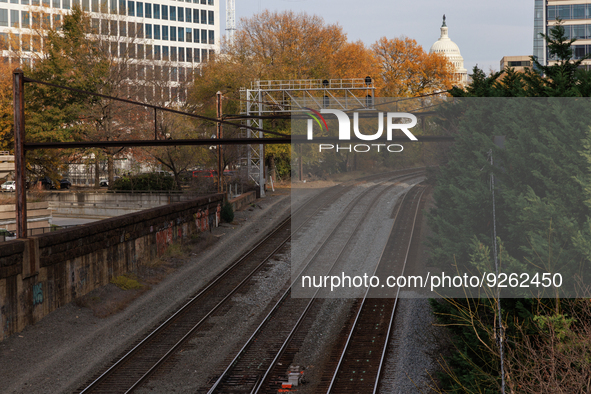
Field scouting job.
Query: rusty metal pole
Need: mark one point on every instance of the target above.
(19, 152)
(219, 135)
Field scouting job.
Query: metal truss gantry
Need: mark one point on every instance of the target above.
(292, 96)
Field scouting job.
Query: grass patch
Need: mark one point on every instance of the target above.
(127, 282)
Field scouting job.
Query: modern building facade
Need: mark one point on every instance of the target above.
(576, 19)
(450, 49)
(518, 63)
(178, 35)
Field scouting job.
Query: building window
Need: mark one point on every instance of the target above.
(209, 2)
(181, 34)
(181, 54)
(131, 30)
(211, 37)
(140, 51)
(140, 30)
(122, 49)
(204, 36)
(148, 30)
(165, 54)
(203, 2)
(113, 27)
(195, 15)
(123, 28)
(165, 32)
(139, 9)
(172, 33)
(188, 37)
(196, 35)
(149, 52)
(85, 5)
(156, 32)
(165, 12)
(579, 31)
(204, 17)
(157, 53)
(148, 10)
(26, 19)
(104, 27)
(564, 12)
(3, 17)
(210, 17)
(122, 8)
(65, 4)
(189, 54)
(95, 6)
(95, 25)
(113, 6)
(173, 54)
(131, 51)
(579, 11)
(172, 13)
(14, 18)
(188, 14)
(56, 4)
(197, 58)
(131, 8)
(181, 12)
(156, 11)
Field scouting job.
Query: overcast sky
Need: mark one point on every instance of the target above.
(485, 31)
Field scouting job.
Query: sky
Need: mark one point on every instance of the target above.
(485, 31)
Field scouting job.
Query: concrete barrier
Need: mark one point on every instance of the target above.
(243, 201)
(42, 273)
(106, 205)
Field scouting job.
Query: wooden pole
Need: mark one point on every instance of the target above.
(19, 152)
(219, 133)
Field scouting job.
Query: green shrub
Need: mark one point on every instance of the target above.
(227, 213)
(150, 181)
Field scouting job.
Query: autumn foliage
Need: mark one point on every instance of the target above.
(291, 46)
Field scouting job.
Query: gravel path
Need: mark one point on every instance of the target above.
(59, 353)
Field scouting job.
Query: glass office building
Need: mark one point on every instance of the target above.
(157, 35)
(576, 19)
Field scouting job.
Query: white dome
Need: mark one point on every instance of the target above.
(445, 46)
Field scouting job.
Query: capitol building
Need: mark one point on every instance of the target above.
(447, 47)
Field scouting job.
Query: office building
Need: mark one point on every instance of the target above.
(175, 35)
(576, 18)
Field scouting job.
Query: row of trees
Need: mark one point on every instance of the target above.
(543, 224)
(267, 46)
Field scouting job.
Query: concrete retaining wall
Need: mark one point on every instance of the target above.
(42, 273)
(104, 205)
(243, 201)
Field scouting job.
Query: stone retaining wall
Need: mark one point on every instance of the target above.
(42, 273)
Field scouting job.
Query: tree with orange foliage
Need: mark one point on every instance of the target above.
(406, 70)
(6, 108)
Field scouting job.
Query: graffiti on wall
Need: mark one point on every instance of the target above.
(163, 239)
(38, 294)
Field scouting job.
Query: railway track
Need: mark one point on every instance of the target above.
(360, 365)
(144, 357)
(254, 368)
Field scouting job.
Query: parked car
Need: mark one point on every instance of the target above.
(65, 183)
(204, 174)
(6, 235)
(9, 186)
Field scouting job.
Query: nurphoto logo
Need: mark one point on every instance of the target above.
(345, 129)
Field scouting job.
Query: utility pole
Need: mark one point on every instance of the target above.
(219, 134)
(19, 152)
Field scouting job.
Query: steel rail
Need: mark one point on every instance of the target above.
(357, 317)
(278, 304)
(220, 276)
